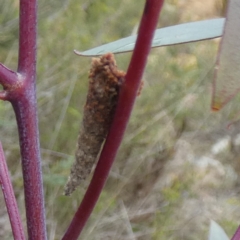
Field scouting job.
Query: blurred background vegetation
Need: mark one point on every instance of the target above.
(170, 176)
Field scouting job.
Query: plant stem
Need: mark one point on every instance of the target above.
(125, 104)
(7, 76)
(27, 38)
(25, 110)
(10, 200)
(236, 235)
(19, 89)
(23, 100)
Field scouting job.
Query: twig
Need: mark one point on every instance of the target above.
(127, 97)
(10, 200)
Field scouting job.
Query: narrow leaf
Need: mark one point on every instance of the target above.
(226, 83)
(216, 232)
(182, 33)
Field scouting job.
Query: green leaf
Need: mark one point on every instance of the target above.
(182, 33)
(226, 83)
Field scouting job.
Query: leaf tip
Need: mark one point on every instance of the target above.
(77, 52)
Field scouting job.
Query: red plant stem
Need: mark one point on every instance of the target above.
(10, 201)
(23, 100)
(27, 38)
(19, 89)
(25, 110)
(126, 100)
(7, 76)
(236, 235)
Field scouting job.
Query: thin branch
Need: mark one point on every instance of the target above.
(126, 100)
(7, 76)
(10, 200)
